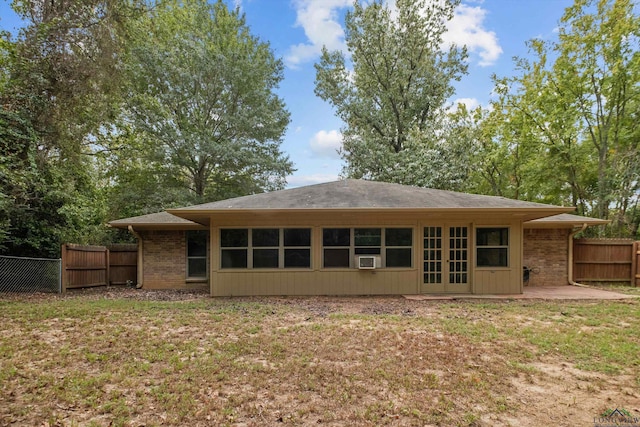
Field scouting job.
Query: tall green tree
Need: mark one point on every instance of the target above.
(565, 128)
(59, 87)
(65, 72)
(524, 155)
(391, 92)
(203, 104)
(598, 72)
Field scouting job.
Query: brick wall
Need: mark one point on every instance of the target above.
(165, 261)
(547, 251)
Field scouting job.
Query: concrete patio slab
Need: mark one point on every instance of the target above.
(537, 292)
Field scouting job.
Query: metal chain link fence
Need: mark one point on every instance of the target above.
(30, 274)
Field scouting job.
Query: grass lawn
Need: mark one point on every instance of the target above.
(87, 360)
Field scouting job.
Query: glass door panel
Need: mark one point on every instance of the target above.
(458, 255)
(432, 259)
(445, 261)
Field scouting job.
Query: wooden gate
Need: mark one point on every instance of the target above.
(123, 264)
(86, 266)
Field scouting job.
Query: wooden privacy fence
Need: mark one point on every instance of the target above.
(606, 260)
(123, 263)
(86, 266)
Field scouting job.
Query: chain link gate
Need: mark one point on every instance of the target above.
(30, 274)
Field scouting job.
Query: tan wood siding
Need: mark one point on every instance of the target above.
(319, 281)
(343, 282)
(502, 280)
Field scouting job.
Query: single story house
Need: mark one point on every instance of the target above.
(356, 237)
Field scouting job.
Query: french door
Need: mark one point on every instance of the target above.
(445, 263)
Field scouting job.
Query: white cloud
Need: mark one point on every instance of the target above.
(318, 178)
(466, 28)
(319, 19)
(470, 103)
(326, 144)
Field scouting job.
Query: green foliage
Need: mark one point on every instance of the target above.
(565, 129)
(116, 108)
(59, 88)
(202, 105)
(392, 100)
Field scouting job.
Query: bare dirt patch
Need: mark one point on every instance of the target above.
(121, 356)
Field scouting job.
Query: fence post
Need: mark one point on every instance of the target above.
(63, 269)
(60, 276)
(107, 262)
(635, 254)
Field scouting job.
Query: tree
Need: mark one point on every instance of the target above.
(66, 69)
(598, 71)
(565, 129)
(59, 87)
(392, 101)
(523, 154)
(202, 102)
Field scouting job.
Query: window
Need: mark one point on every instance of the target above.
(197, 254)
(297, 247)
(336, 242)
(492, 245)
(265, 248)
(340, 245)
(266, 243)
(234, 243)
(367, 241)
(398, 243)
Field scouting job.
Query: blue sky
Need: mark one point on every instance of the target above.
(494, 31)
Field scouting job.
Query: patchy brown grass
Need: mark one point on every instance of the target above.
(126, 357)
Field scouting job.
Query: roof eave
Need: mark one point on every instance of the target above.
(525, 214)
(565, 224)
(157, 226)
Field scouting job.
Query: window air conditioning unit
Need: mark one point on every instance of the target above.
(366, 262)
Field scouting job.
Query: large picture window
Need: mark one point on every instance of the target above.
(265, 248)
(197, 254)
(492, 247)
(340, 245)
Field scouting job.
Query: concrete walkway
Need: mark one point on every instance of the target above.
(538, 292)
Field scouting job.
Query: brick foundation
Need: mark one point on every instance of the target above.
(165, 261)
(547, 251)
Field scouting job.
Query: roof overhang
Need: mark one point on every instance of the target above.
(565, 220)
(204, 216)
(157, 226)
(157, 221)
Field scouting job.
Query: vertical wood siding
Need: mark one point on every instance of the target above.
(319, 281)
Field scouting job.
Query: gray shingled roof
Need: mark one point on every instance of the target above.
(349, 194)
(159, 218)
(361, 194)
(566, 219)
